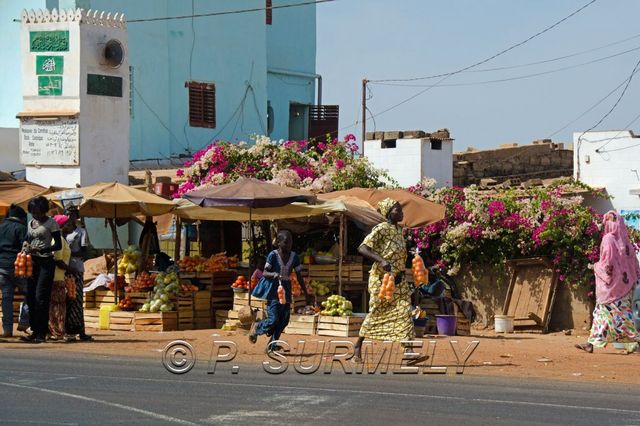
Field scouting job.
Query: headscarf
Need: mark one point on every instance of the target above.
(385, 206)
(61, 219)
(617, 252)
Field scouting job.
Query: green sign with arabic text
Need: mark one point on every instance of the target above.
(49, 85)
(49, 41)
(50, 65)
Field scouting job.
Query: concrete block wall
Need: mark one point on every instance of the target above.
(542, 159)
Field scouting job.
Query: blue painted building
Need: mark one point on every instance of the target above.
(259, 66)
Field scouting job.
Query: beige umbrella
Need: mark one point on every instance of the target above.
(114, 200)
(417, 210)
(19, 192)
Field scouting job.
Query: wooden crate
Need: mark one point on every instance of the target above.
(106, 297)
(221, 316)
(463, 327)
(91, 318)
(298, 302)
(203, 323)
(156, 321)
(121, 320)
(202, 311)
(302, 324)
(327, 273)
(242, 299)
(89, 299)
(139, 298)
(339, 326)
(352, 272)
(185, 312)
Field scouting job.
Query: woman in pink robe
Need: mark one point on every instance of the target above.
(616, 272)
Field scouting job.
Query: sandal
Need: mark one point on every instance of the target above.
(356, 359)
(418, 360)
(587, 347)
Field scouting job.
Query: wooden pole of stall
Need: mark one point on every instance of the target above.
(178, 240)
(340, 253)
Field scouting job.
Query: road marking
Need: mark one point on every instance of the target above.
(365, 392)
(98, 401)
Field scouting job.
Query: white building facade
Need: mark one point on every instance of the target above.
(411, 156)
(610, 160)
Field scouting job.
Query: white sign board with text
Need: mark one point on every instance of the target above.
(49, 142)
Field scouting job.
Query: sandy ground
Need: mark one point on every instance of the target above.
(550, 356)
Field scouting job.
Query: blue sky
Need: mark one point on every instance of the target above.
(382, 39)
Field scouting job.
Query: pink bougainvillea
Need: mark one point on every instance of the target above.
(319, 166)
(490, 229)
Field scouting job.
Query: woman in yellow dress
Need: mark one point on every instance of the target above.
(388, 320)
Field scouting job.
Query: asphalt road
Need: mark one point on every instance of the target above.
(44, 387)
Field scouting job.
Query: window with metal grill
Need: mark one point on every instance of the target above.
(269, 11)
(202, 104)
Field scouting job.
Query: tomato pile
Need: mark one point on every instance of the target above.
(121, 283)
(126, 304)
(216, 263)
(143, 282)
(241, 282)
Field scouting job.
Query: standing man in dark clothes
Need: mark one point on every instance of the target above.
(13, 231)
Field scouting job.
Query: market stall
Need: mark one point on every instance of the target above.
(21, 191)
(115, 201)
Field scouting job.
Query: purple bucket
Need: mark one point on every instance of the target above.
(446, 324)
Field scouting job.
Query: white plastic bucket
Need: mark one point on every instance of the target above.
(503, 324)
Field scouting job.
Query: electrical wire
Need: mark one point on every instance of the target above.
(193, 37)
(521, 77)
(599, 150)
(155, 114)
(502, 52)
(230, 12)
(591, 108)
(528, 64)
(615, 104)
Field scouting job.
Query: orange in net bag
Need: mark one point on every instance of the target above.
(420, 273)
(281, 296)
(388, 287)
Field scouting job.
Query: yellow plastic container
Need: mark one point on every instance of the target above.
(103, 320)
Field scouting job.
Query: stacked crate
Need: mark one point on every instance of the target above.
(185, 305)
(339, 326)
(431, 309)
(220, 284)
(121, 320)
(202, 310)
(92, 318)
(240, 301)
(302, 324)
(156, 321)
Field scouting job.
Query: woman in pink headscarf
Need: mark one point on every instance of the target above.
(616, 272)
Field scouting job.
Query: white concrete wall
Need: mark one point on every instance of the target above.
(609, 159)
(103, 121)
(412, 160)
(439, 164)
(10, 158)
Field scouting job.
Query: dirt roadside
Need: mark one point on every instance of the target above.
(550, 356)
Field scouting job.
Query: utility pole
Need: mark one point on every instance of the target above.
(364, 112)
